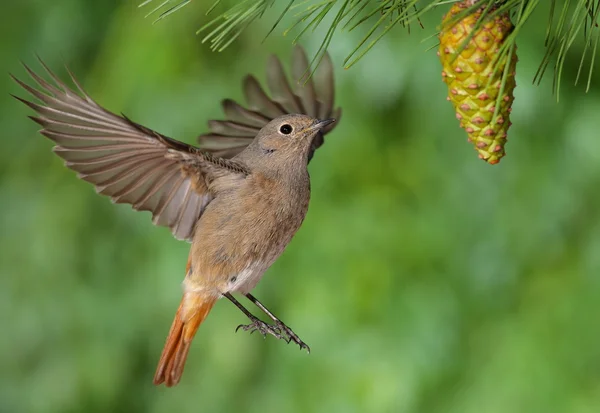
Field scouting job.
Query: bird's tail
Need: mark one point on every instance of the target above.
(191, 313)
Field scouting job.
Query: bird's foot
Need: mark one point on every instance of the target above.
(262, 327)
(291, 336)
(279, 330)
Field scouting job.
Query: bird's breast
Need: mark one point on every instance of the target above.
(283, 207)
(243, 232)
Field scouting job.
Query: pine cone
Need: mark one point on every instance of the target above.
(468, 73)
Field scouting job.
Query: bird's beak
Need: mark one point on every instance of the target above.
(320, 124)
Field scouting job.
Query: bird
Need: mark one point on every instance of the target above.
(238, 198)
(314, 97)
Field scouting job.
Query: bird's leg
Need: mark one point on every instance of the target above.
(291, 335)
(256, 324)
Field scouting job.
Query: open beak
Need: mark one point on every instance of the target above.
(320, 124)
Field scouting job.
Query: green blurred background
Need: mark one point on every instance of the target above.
(423, 279)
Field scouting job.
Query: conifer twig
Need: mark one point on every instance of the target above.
(568, 21)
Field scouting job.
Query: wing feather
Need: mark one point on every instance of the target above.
(315, 98)
(122, 159)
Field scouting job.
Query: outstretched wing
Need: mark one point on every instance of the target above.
(122, 159)
(316, 98)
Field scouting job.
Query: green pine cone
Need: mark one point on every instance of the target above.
(468, 73)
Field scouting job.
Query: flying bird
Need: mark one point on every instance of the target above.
(238, 198)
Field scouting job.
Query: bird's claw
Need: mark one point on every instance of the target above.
(262, 327)
(291, 336)
(279, 330)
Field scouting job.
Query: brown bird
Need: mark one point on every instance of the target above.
(239, 213)
(229, 137)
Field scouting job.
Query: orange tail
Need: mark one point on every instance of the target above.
(191, 313)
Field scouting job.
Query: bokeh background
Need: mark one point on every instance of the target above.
(423, 279)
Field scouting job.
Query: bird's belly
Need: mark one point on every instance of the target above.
(268, 243)
(246, 279)
(232, 250)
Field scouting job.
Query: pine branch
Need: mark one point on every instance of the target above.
(166, 6)
(568, 19)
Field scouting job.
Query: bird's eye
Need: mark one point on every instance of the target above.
(286, 129)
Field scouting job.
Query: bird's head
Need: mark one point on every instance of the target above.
(289, 135)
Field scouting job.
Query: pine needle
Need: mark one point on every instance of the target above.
(568, 21)
(166, 12)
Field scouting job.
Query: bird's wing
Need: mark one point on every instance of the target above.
(316, 98)
(122, 159)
